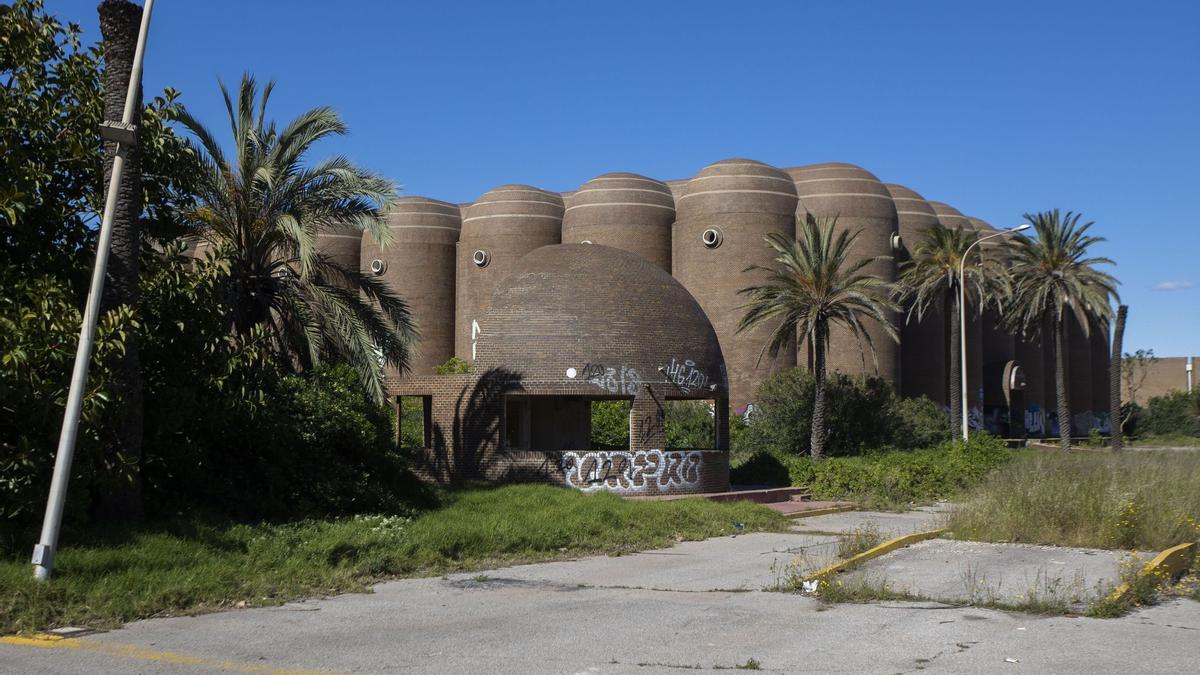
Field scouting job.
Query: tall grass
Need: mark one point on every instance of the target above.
(192, 566)
(1131, 500)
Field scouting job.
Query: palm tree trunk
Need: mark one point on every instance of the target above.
(817, 441)
(1060, 382)
(955, 365)
(1114, 377)
(119, 26)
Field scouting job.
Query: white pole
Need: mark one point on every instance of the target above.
(1189, 374)
(962, 318)
(43, 553)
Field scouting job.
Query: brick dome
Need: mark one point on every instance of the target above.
(600, 321)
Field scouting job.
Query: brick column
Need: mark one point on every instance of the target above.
(647, 430)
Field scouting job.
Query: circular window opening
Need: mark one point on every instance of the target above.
(586, 241)
(481, 258)
(897, 242)
(711, 237)
(378, 267)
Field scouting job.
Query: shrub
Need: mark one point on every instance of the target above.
(885, 479)
(610, 424)
(1175, 413)
(689, 424)
(453, 366)
(861, 414)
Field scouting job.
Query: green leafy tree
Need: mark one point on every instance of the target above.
(1055, 275)
(51, 163)
(813, 283)
(929, 282)
(262, 208)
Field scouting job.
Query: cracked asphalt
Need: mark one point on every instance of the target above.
(698, 605)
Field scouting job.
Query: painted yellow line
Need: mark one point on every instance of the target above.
(128, 651)
(885, 547)
(821, 512)
(1169, 563)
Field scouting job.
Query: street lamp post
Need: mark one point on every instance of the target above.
(125, 135)
(962, 317)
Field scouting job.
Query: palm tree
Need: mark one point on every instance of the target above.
(262, 210)
(1053, 275)
(815, 282)
(120, 22)
(929, 281)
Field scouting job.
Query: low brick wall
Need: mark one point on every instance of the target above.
(626, 472)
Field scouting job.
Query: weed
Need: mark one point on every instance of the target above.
(1093, 499)
(860, 539)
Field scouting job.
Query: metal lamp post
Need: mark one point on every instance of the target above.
(125, 135)
(962, 317)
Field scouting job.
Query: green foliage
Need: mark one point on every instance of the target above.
(1175, 413)
(1099, 499)
(862, 414)
(453, 366)
(108, 577)
(39, 329)
(886, 479)
(610, 424)
(51, 161)
(412, 422)
(317, 445)
(689, 424)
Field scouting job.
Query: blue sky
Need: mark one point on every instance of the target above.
(995, 108)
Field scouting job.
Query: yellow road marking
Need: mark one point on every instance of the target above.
(885, 547)
(128, 651)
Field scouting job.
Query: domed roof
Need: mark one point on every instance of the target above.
(423, 212)
(914, 213)
(950, 217)
(844, 190)
(508, 208)
(980, 224)
(597, 320)
(624, 190)
(737, 186)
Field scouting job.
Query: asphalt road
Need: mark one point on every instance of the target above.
(699, 604)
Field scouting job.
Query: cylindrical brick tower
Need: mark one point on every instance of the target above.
(950, 217)
(723, 216)
(497, 229)
(861, 203)
(341, 244)
(625, 211)
(418, 265)
(1079, 375)
(1101, 353)
(923, 354)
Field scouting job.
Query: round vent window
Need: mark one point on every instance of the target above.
(378, 267)
(897, 242)
(586, 241)
(711, 237)
(481, 258)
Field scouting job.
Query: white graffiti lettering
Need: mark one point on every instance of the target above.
(614, 380)
(632, 472)
(686, 375)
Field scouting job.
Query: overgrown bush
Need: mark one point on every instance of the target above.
(861, 414)
(610, 424)
(1175, 413)
(885, 479)
(39, 331)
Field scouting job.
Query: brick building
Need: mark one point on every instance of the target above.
(628, 288)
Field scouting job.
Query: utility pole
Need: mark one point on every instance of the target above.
(125, 135)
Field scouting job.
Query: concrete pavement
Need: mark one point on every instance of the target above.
(698, 604)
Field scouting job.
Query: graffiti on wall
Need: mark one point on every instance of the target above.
(1034, 421)
(614, 380)
(686, 375)
(636, 472)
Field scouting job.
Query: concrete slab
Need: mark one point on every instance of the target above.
(890, 524)
(743, 563)
(953, 571)
(430, 625)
